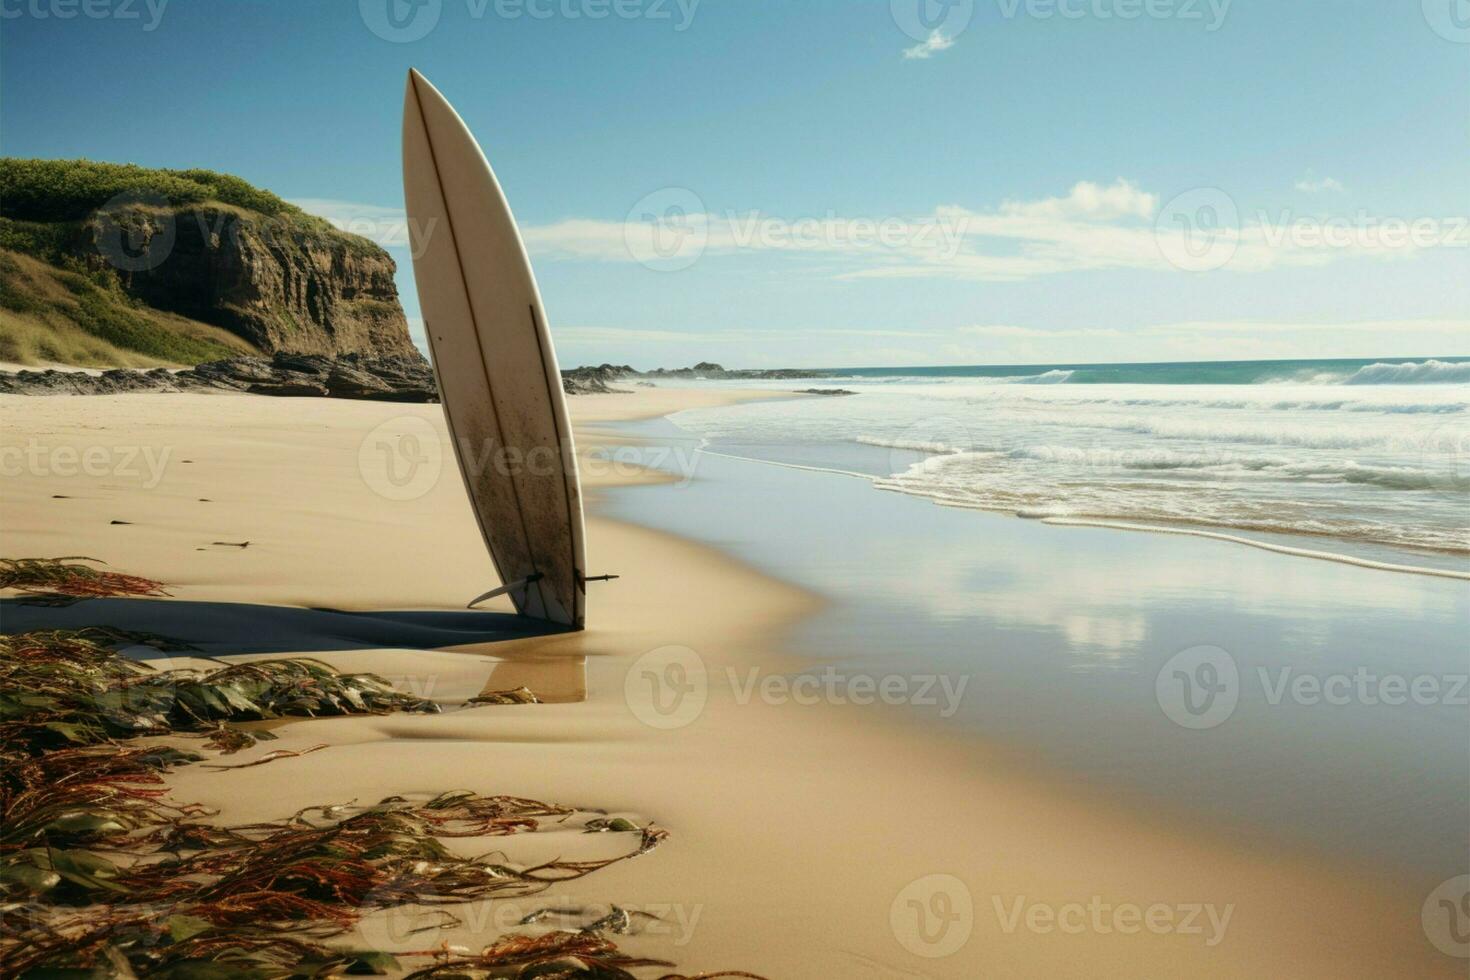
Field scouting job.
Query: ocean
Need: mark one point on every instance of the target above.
(1362, 457)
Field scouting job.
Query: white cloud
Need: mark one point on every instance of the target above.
(1088, 200)
(1311, 184)
(1033, 333)
(936, 41)
(1091, 227)
(640, 335)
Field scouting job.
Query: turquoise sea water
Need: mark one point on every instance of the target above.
(1362, 457)
(1313, 371)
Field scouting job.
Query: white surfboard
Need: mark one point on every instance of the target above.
(492, 355)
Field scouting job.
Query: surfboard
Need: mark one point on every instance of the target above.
(496, 367)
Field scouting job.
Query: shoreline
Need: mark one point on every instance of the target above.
(757, 795)
(1124, 524)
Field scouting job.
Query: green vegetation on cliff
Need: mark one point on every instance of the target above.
(50, 315)
(69, 190)
(115, 264)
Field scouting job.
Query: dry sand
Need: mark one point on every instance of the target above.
(797, 830)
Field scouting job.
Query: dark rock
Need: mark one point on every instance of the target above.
(282, 283)
(398, 379)
(707, 370)
(288, 389)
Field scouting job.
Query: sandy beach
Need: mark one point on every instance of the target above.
(809, 838)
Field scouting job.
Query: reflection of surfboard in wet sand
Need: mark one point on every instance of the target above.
(492, 354)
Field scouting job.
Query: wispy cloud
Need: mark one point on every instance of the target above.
(1088, 200)
(766, 336)
(1311, 184)
(388, 226)
(936, 42)
(1093, 226)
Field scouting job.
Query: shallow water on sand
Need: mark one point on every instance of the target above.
(1289, 701)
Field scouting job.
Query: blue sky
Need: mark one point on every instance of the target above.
(765, 182)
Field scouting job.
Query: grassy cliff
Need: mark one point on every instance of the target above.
(113, 264)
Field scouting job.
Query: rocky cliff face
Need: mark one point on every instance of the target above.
(274, 283)
(199, 245)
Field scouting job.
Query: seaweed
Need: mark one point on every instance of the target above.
(103, 876)
(69, 687)
(519, 695)
(64, 577)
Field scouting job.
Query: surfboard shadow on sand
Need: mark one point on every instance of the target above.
(434, 653)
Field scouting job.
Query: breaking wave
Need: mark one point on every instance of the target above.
(1412, 373)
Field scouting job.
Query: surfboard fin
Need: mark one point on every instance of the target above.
(507, 587)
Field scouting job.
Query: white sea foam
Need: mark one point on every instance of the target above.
(1046, 378)
(1412, 372)
(916, 445)
(1386, 463)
